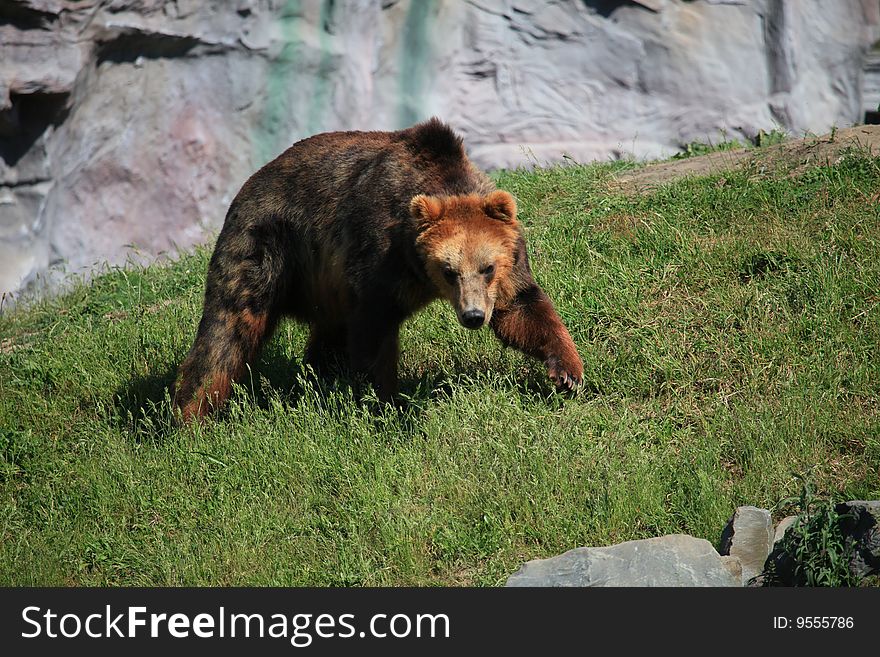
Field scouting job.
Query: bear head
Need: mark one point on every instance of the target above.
(468, 246)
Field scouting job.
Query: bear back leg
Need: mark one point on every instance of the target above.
(241, 310)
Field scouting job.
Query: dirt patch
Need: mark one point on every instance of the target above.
(796, 154)
(8, 345)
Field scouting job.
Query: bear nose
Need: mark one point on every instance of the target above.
(473, 319)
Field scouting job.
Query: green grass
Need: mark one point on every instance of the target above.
(729, 327)
(761, 140)
(697, 148)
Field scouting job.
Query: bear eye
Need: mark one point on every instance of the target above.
(450, 274)
(488, 270)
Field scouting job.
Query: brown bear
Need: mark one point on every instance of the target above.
(353, 232)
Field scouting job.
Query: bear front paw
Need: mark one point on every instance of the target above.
(565, 376)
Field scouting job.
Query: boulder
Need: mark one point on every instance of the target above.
(675, 560)
(734, 567)
(860, 523)
(781, 527)
(749, 537)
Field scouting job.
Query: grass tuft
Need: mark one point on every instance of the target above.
(814, 550)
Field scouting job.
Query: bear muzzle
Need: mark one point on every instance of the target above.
(472, 319)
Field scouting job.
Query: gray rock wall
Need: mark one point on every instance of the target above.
(132, 123)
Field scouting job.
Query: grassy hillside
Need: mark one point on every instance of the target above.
(729, 327)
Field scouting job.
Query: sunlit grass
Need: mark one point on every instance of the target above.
(729, 327)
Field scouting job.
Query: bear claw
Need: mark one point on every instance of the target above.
(563, 379)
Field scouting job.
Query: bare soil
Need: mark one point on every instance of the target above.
(796, 154)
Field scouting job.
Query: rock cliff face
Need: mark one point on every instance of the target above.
(132, 123)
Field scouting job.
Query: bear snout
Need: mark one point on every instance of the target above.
(472, 319)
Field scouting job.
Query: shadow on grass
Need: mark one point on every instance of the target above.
(143, 409)
(532, 385)
(143, 406)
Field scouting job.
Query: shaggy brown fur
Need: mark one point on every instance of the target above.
(353, 232)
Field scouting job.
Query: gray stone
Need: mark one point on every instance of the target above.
(860, 523)
(147, 116)
(676, 560)
(748, 536)
(871, 87)
(781, 527)
(734, 567)
(24, 243)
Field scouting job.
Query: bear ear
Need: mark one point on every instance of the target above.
(426, 209)
(500, 205)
